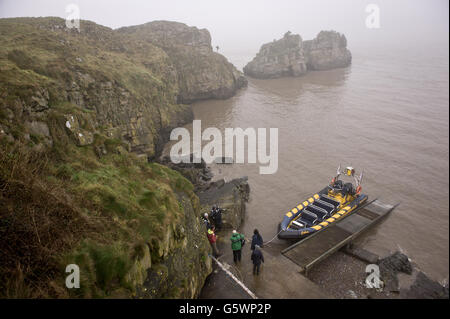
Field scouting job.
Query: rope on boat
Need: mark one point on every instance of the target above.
(268, 242)
(251, 294)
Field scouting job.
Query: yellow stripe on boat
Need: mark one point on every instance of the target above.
(289, 214)
(311, 200)
(324, 224)
(317, 227)
(331, 219)
(295, 210)
(305, 203)
(300, 207)
(316, 196)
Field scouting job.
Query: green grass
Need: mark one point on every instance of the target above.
(121, 202)
(133, 202)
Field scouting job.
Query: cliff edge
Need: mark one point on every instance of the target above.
(201, 72)
(80, 115)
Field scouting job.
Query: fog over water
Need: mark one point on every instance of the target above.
(392, 102)
(242, 26)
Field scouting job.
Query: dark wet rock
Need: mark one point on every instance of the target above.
(390, 266)
(290, 56)
(426, 288)
(197, 173)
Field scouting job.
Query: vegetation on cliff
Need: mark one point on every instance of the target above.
(202, 73)
(80, 113)
(115, 216)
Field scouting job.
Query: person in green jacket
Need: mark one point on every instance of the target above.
(237, 241)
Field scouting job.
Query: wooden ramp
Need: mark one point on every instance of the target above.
(311, 250)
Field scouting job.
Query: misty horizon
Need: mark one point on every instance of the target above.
(238, 27)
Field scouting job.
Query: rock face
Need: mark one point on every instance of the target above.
(290, 56)
(197, 173)
(278, 59)
(131, 82)
(327, 51)
(110, 93)
(231, 196)
(183, 265)
(201, 73)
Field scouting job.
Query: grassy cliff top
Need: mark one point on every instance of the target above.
(72, 106)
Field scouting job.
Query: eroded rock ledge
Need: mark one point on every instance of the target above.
(201, 72)
(291, 56)
(232, 195)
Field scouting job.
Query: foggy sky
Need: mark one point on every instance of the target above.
(243, 25)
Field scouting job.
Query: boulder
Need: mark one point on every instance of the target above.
(290, 56)
(327, 51)
(81, 136)
(390, 266)
(426, 288)
(278, 59)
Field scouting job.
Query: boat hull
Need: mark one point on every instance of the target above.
(285, 231)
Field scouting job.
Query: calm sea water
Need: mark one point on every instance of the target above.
(387, 114)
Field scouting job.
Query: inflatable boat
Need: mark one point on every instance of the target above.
(324, 208)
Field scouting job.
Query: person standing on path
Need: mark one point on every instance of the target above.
(256, 240)
(257, 258)
(237, 241)
(212, 240)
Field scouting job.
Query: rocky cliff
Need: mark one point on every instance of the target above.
(80, 114)
(290, 56)
(279, 58)
(327, 51)
(201, 72)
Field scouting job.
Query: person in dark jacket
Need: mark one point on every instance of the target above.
(216, 216)
(256, 240)
(257, 258)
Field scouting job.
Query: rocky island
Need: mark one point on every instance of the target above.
(83, 116)
(291, 56)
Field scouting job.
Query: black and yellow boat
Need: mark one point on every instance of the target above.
(324, 208)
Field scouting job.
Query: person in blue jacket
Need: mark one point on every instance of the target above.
(257, 258)
(256, 240)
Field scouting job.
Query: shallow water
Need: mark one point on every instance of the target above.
(387, 114)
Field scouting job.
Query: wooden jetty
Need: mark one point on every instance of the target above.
(308, 252)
